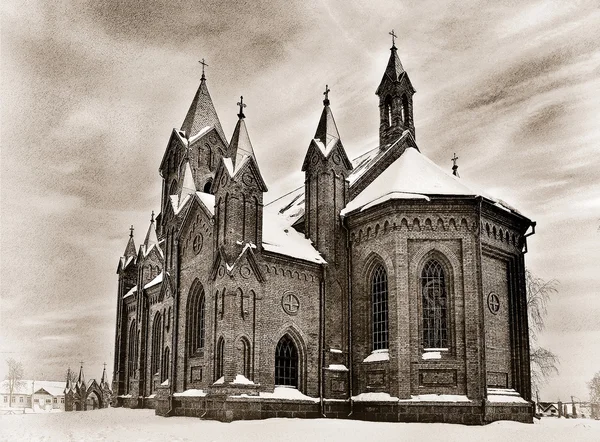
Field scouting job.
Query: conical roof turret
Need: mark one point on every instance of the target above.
(130, 249)
(201, 113)
(81, 378)
(151, 238)
(240, 147)
(326, 129)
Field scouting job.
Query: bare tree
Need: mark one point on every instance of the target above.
(544, 363)
(594, 386)
(14, 378)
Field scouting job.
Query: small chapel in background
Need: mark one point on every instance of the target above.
(383, 288)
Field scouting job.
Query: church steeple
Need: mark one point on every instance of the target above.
(202, 112)
(326, 129)
(130, 249)
(395, 100)
(240, 146)
(151, 238)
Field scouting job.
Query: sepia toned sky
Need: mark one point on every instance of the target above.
(91, 90)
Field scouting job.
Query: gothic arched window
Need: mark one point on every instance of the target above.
(196, 318)
(220, 357)
(405, 112)
(286, 362)
(379, 302)
(435, 305)
(131, 349)
(245, 357)
(156, 345)
(164, 372)
(388, 110)
(207, 186)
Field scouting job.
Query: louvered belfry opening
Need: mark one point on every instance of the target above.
(434, 305)
(286, 363)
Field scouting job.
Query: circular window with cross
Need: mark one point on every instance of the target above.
(493, 303)
(290, 304)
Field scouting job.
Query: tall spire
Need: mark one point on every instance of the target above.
(240, 146)
(202, 112)
(394, 68)
(81, 378)
(68, 386)
(104, 381)
(130, 249)
(151, 238)
(326, 130)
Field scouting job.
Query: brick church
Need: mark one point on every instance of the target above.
(384, 288)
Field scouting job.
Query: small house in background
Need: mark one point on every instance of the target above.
(39, 395)
(547, 409)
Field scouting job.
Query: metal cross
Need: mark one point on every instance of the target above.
(242, 106)
(203, 65)
(394, 36)
(454, 158)
(326, 93)
(81, 362)
(152, 217)
(131, 231)
(104, 365)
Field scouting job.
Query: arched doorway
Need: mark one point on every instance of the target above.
(286, 362)
(92, 401)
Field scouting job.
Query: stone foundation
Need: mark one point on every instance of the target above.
(227, 409)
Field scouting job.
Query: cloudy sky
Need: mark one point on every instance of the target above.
(92, 89)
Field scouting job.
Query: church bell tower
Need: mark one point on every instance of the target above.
(395, 94)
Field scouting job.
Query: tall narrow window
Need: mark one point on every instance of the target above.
(166, 362)
(379, 296)
(286, 362)
(405, 113)
(219, 362)
(157, 329)
(196, 319)
(245, 357)
(131, 349)
(388, 110)
(435, 306)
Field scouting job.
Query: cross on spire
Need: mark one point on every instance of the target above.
(81, 362)
(131, 231)
(394, 36)
(203, 63)
(152, 217)
(454, 165)
(326, 93)
(242, 105)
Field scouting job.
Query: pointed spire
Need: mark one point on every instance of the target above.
(394, 68)
(81, 378)
(130, 249)
(151, 238)
(326, 130)
(240, 146)
(202, 112)
(103, 380)
(68, 386)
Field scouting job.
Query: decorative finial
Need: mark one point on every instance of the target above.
(104, 365)
(152, 217)
(394, 36)
(131, 231)
(242, 106)
(203, 66)
(326, 93)
(455, 166)
(81, 362)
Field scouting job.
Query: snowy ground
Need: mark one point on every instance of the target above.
(120, 424)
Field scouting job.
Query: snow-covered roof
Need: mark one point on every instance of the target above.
(125, 261)
(29, 386)
(411, 176)
(157, 280)
(280, 237)
(130, 292)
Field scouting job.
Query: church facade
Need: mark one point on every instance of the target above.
(383, 288)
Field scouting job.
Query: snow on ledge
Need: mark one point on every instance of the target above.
(374, 397)
(219, 381)
(505, 395)
(282, 393)
(243, 380)
(335, 350)
(337, 367)
(193, 392)
(378, 356)
(432, 355)
(125, 396)
(437, 398)
(165, 383)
